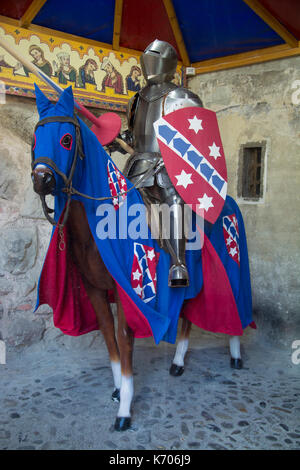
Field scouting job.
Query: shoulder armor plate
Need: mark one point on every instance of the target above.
(181, 98)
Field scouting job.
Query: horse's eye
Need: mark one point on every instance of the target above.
(66, 141)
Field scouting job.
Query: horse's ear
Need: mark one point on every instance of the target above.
(65, 103)
(42, 102)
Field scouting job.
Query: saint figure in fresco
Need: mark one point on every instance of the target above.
(112, 79)
(65, 72)
(132, 80)
(38, 60)
(86, 73)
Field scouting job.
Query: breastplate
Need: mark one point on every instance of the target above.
(148, 110)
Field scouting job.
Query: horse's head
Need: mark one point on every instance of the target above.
(56, 144)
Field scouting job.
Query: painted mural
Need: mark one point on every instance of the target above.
(99, 76)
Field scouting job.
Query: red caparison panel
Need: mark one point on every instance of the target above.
(14, 9)
(287, 12)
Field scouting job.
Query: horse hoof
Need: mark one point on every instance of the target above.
(236, 363)
(116, 395)
(122, 424)
(176, 370)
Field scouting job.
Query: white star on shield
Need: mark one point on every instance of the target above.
(214, 151)
(195, 124)
(184, 179)
(205, 202)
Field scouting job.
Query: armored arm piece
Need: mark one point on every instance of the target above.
(122, 143)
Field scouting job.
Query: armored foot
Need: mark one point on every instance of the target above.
(178, 276)
(122, 424)
(236, 363)
(176, 370)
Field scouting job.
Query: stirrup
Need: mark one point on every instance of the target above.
(178, 276)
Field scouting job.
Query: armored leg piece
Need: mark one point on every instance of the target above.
(175, 239)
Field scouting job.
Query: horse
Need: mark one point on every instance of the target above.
(60, 156)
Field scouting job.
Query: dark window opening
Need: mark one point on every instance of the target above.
(251, 171)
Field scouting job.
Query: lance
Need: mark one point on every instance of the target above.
(106, 127)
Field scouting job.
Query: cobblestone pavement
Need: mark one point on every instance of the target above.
(60, 399)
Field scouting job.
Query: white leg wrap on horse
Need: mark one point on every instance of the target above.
(181, 349)
(234, 344)
(126, 394)
(116, 370)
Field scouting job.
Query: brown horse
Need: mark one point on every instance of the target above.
(46, 169)
(98, 282)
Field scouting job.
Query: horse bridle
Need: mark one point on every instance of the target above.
(49, 162)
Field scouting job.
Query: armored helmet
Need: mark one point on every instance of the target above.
(158, 62)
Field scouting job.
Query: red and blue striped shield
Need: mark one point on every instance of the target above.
(191, 146)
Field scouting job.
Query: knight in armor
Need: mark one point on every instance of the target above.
(159, 97)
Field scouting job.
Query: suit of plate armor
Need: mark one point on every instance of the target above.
(159, 97)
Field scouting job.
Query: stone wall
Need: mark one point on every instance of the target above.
(254, 104)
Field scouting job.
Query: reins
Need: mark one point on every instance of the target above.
(157, 165)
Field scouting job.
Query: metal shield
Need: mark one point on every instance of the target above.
(192, 150)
